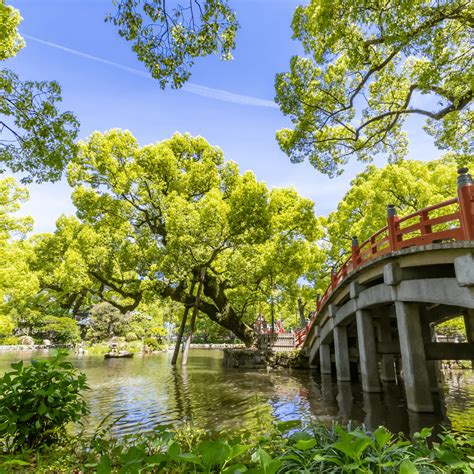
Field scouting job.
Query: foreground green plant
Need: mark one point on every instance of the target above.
(38, 401)
(288, 449)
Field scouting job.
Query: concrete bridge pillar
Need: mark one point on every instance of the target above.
(344, 400)
(341, 350)
(414, 366)
(387, 367)
(325, 358)
(432, 366)
(469, 325)
(367, 352)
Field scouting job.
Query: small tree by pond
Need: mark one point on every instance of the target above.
(107, 322)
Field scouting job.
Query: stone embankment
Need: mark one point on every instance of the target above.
(217, 346)
(252, 358)
(20, 347)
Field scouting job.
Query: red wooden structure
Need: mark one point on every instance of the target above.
(448, 220)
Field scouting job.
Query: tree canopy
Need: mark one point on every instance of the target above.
(367, 67)
(167, 39)
(17, 282)
(36, 139)
(151, 218)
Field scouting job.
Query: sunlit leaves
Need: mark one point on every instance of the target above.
(167, 40)
(10, 40)
(36, 138)
(163, 212)
(366, 68)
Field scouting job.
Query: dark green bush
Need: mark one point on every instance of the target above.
(153, 344)
(131, 336)
(38, 401)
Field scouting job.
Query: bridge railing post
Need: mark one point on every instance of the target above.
(392, 226)
(355, 252)
(333, 278)
(466, 202)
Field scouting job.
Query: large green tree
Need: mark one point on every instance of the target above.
(17, 281)
(151, 218)
(368, 66)
(36, 139)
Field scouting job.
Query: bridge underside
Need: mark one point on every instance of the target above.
(379, 324)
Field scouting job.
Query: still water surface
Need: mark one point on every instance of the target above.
(146, 391)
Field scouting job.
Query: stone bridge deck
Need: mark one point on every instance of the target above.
(378, 315)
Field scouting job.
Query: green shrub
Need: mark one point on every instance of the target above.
(10, 341)
(131, 336)
(154, 344)
(61, 330)
(37, 402)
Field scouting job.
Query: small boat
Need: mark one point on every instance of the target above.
(118, 355)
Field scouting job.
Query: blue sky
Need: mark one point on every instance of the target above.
(228, 103)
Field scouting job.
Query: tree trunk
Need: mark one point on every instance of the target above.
(301, 307)
(218, 309)
(187, 345)
(177, 346)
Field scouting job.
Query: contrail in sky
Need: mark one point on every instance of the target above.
(196, 89)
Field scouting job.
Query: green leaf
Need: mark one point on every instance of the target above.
(300, 435)
(214, 452)
(235, 469)
(285, 426)
(16, 462)
(304, 445)
(105, 465)
(382, 436)
(17, 365)
(174, 450)
(190, 457)
(237, 450)
(407, 467)
(155, 459)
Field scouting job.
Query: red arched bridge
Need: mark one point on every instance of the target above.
(376, 319)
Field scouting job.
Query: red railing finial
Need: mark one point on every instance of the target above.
(392, 227)
(466, 202)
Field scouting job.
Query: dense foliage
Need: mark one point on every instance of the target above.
(288, 448)
(167, 39)
(151, 218)
(35, 137)
(368, 66)
(38, 401)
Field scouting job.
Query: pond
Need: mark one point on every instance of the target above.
(146, 390)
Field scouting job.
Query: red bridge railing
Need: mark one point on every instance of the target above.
(449, 220)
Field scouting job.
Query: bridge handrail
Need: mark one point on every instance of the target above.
(393, 234)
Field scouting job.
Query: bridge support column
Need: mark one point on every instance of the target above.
(387, 367)
(415, 370)
(432, 366)
(342, 354)
(469, 325)
(325, 358)
(367, 352)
